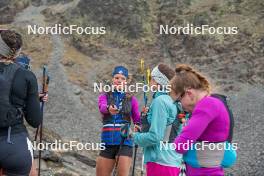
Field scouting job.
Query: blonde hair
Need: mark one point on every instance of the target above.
(186, 77)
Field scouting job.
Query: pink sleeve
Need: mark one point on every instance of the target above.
(204, 112)
(102, 104)
(135, 111)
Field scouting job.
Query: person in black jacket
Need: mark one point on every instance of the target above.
(24, 61)
(19, 100)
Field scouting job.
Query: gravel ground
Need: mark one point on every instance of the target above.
(248, 107)
(65, 114)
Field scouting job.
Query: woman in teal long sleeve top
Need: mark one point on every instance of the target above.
(160, 160)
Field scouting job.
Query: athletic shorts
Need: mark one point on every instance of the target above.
(112, 151)
(16, 158)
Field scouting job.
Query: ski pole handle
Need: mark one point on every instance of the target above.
(142, 66)
(45, 80)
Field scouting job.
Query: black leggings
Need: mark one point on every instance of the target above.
(16, 158)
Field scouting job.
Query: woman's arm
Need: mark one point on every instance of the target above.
(157, 128)
(102, 104)
(33, 114)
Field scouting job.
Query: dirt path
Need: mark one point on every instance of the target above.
(64, 113)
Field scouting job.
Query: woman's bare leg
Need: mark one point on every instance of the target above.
(124, 165)
(104, 166)
(33, 171)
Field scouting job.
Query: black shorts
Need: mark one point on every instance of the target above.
(16, 159)
(112, 151)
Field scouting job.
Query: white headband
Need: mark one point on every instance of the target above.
(159, 77)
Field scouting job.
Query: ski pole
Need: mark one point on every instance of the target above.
(45, 83)
(142, 166)
(117, 158)
(124, 135)
(142, 68)
(145, 103)
(134, 159)
(145, 80)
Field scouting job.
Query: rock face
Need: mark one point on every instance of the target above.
(8, 9)
(62, 162)
(134, 26)
(221, 57)
(235, 64)
(123, 16)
